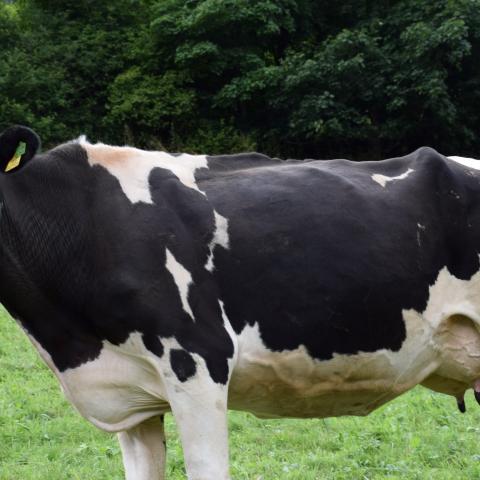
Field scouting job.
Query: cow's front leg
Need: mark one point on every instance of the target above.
(201, 418)
(143, 450)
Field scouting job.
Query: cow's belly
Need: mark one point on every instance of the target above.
(441, 350)
(293, 384)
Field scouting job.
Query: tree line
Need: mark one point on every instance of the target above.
(291, 78)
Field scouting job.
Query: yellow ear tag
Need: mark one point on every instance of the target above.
(15, 160)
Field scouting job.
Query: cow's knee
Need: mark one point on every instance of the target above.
(144, 450)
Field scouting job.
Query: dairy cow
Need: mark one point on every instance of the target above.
(152, 282)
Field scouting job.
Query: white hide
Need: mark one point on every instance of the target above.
(182, 279)
(128, 384)
(467, 162)
(220, 237)
(383, 180)
(232, 362)
(132, 167)
(221, 232)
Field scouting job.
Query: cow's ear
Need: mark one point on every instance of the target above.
(18, 145)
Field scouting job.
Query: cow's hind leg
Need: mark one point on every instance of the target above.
(143, 450)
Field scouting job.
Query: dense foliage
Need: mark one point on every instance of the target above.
(300, 78)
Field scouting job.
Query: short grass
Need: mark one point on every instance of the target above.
(419, 436)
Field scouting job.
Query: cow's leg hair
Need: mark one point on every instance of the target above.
(144, 451)
(202, 423)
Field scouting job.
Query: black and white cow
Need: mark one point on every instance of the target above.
(152, 282)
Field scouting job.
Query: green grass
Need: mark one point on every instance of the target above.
(419, 436)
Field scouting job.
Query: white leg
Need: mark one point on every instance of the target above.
(143, 450)
(202, 424)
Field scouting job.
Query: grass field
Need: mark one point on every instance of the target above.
(419, 436)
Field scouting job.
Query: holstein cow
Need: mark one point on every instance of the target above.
(152, 282)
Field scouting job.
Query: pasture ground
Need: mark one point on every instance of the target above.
(418, 436)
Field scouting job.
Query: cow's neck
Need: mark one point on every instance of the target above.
(40, 250)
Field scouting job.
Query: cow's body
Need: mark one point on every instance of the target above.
(152, 282)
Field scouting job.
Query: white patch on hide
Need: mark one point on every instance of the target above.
(467, 162)
(292, 383)
(228, 327)
(421, 228)
(128, 384)
(182, 278)
(220, 237)
(383, 180)
(209, 265)
(132, 167)
(81, 139)
(221, 231)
